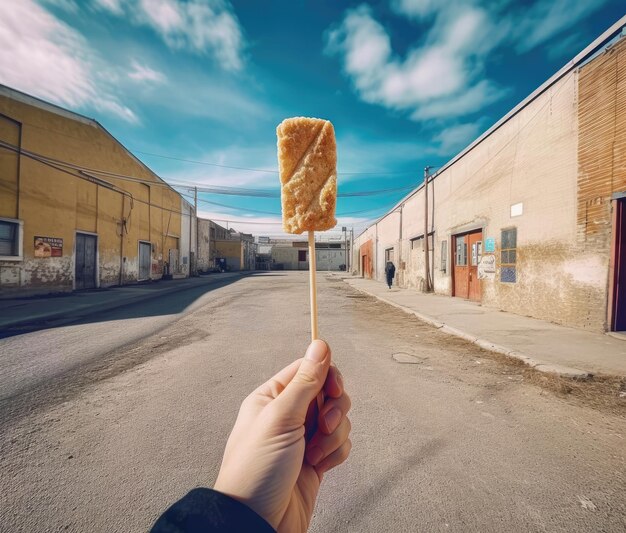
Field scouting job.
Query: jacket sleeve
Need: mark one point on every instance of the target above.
(209, 511)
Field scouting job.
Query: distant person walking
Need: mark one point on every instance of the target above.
(390, 272)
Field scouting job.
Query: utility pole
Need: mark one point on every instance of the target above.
(351, 246)
(345, 240)
(426, 253)
(195, 210)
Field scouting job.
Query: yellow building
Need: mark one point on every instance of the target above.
(77, 209)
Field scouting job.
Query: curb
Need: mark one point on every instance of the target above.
(540, 366)
(57, 317)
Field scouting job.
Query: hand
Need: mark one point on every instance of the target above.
(264, 464)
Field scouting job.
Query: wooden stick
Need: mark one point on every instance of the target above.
(313, 286)
(313, 301)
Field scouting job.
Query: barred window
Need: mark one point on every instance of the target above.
(461, 251)
(508, 256)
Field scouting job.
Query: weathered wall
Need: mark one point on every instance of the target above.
(204, 253)
(601, 173)
(54, 204)
(530, 159)
(232, 251)
(329, 259)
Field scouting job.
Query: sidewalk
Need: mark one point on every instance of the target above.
(68, 307)
(543, 345)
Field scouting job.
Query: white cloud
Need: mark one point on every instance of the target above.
(114, 6)
(444, 75)
(416, 8)
(454, 138)
(44, 57)
(435, 75)
(144, 73)
(547, 18)
(199, 26)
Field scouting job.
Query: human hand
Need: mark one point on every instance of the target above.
(264, 462)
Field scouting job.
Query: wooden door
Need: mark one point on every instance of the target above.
(461, 274)
(475, 246)
(468, 249)
(85, 261)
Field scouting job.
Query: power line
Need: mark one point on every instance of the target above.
(222, 189)
(268, 193)
(268, 171)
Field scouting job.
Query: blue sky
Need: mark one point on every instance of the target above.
(406, 82)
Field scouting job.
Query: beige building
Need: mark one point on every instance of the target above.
(236, 250)
(531, 217)
(77, 209)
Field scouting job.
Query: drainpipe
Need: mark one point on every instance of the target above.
(400, 244)
(121, 281)
(426, 252)
(376, 254)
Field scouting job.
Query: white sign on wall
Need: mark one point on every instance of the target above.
(517, 210)
(487, 267)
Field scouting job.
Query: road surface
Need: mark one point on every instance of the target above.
(445, 436)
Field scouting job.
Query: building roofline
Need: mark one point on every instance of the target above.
(29, 99)
(613, 34)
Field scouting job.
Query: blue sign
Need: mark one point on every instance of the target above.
(490, 244)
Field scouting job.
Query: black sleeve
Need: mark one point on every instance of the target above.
(209, 511)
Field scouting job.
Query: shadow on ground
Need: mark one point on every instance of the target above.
(147, 304)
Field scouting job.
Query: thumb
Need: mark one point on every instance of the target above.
(308, 381)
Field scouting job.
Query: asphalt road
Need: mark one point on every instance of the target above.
(451, 439)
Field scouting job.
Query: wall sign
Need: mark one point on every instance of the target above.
(490, 244)
(48, 247)
(487, 267)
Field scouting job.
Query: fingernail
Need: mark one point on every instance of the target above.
(316, 351)
(332, 419)
(314, 455)
(340, 380)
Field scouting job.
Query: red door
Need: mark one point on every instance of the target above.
(476, 250)
(461, 275)
(468, 249)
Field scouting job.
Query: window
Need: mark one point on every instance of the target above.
(389, 254)
(301, 255)
(477, 252)
(444, 256)
(417, 243)
(461, 251)
(508, 255)
(10, 238)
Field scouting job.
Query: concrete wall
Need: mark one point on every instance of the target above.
(531, 159)
(205, 261)
(232, 251)
(51, 202)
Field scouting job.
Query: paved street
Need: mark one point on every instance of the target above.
(105, 422)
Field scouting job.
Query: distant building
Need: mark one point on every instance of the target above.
(219, 245)
(77, 209)
(531, 217)
(294, 255)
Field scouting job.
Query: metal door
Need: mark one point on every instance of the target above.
(145, 260)
(85, 261)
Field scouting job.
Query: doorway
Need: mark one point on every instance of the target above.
(468, 249)
(85, 261)
(145, 260)
(618, 293)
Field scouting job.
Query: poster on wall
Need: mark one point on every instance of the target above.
(487, 267)
(48, 247)
(490, 244)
